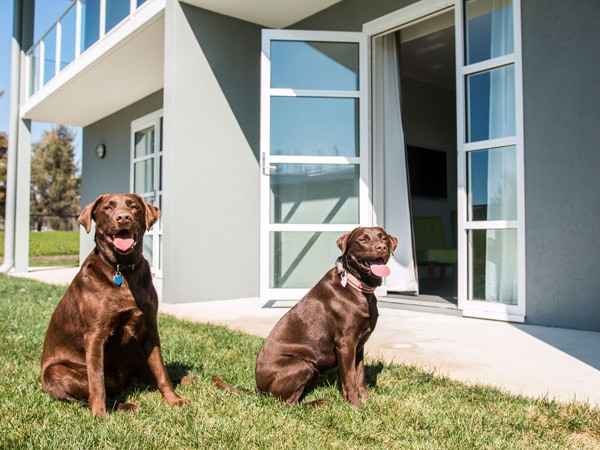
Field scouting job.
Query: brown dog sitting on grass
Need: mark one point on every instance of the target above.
(329, 326)
(104, 330)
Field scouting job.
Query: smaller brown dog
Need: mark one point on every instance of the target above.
(104, 331)
(329, 326)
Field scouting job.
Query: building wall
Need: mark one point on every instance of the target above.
(211, 170)
(112, 173)
(561, 64)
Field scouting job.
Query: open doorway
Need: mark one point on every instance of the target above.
(427, 95)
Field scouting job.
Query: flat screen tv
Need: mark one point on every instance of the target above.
(427, 172)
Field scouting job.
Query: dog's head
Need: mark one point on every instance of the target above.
(121, 221)
(366, 251)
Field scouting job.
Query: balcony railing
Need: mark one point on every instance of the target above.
(78, 28)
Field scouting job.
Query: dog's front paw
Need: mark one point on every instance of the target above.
(363, 394)
(176, 400)
(99, 411)
(127, 406)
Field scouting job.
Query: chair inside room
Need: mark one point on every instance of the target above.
(431, 247)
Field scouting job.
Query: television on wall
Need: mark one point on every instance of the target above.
(427, 172)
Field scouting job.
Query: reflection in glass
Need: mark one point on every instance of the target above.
(491, 104)
(50, 55)
(148, 246)
(314, 65)
(314, 193)
(493, 266)
(300, 259)
(314, 126)
(489, 29)
(116, 10)
(67, 49)
(143, 176)
(492, 177)
(144, 142)
(91, 22)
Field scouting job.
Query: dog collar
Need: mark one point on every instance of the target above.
(347, 278)
(118, 276)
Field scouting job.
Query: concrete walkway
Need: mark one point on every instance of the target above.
(523, 359)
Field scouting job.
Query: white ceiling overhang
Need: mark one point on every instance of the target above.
(269, 13)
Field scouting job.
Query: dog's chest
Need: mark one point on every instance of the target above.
(130, 326)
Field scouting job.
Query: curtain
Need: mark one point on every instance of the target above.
(501, 245)
(403, 276)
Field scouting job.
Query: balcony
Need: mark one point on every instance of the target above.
(103, 55)
(99, 57)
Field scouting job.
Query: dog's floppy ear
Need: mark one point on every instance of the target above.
(393, 243)
(343, 241)
(87, 215)
(152, 215)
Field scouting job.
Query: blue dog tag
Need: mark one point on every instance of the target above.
(118, 278)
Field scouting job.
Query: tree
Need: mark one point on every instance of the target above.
(55, 181)
(3, 163)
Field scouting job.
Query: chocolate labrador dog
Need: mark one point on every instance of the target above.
(104, 331)
(329, 326)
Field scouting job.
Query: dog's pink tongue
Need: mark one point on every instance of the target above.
(123, 244)
(379, 268)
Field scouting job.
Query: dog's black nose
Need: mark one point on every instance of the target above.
(124, 217)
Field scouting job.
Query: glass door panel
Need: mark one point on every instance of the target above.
(491, 151)
(314, 65)
(314, 154)
(300, 258)
(314, 194)
(297, 126)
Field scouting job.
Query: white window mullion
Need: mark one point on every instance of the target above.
(102, 21)
(78, 27)
(58, 48)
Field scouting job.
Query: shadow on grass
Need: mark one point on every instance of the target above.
(178, 373)
(332, 378)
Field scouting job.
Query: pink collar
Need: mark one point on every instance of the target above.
(348, 278)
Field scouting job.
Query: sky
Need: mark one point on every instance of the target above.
(46, 13)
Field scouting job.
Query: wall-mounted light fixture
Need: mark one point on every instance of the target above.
(100, 151)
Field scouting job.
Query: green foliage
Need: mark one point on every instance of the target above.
(408, 408)
(55, 181)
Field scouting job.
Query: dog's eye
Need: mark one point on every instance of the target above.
(108, 208)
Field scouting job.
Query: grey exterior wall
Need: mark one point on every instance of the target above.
(112, 173)
(211, 171)
(561, 67)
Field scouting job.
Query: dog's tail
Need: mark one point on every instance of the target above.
(227, 387)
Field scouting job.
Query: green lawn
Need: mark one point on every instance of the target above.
(408, 408)
(50, 248)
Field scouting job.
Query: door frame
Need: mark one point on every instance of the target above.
(418, 11)
(153, 197)
(267, 160)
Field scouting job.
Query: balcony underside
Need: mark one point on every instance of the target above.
(128, 63)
